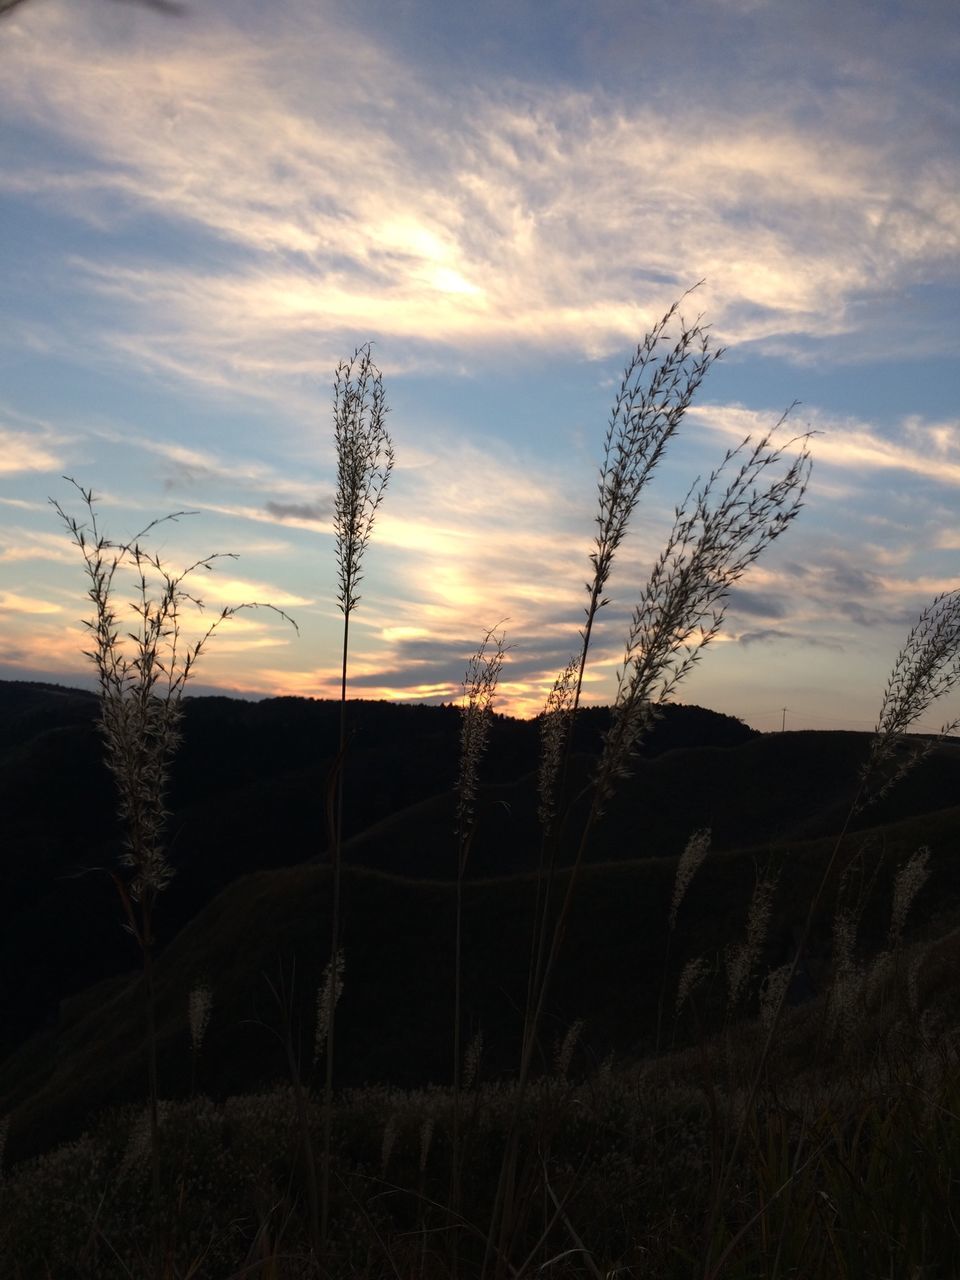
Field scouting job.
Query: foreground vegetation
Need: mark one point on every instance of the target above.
(800, 1128)
(848, 1168)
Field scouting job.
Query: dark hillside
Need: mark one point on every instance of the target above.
(394, 1019)
(247, 793)
(248, 796)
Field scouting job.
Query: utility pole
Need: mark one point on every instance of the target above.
(783, 721)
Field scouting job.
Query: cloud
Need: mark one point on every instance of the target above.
(15, 603)
(303, 512)
(758, 604)
(233, 592)
(769, 634)
(928, 449)
(23, 451)
(471, 237)
(18, 543)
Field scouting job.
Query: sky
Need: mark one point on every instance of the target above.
(204, 212)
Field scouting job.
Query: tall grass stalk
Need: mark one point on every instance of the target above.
(479, 688)
(142, 674)
(364, 463)
(719, 529)
(657, 387)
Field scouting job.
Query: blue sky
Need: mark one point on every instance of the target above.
(203, 214)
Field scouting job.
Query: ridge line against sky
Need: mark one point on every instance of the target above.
(203, 214)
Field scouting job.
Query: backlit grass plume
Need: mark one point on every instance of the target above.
(364, 463)
(654, 394)
(719, 529)
(479, 687)
(142, 674)
(926, 668)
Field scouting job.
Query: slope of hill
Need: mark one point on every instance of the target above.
(247, 834)
(267, 933)
(247, 793)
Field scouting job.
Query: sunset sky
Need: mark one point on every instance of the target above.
(203, 212)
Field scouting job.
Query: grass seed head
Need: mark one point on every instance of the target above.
(926, 669)
(563, 1054)
(655, 392)
(696, 849)
(391, 1131)
(554, 727)
(364, 463)
(199, 1009)
(471, 1062)
(911, 878)
(479, 688)
(742, 957)
(332, 975)
(426, 1138)
(719, 529)
(692, 974)
(773, 993)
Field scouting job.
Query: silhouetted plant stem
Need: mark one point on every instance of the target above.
(152, 1086)
(364, 462)
(655, 392)
(719, 529)
(479, 687)
(336, 859)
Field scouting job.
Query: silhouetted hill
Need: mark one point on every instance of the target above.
(270, 928)
(247, 793)
(247, 806)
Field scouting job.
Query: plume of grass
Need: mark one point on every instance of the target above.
(911, 878)
(476, 706)
(719, 530)
(555, 723)
(688, 864)
(742, 957)
(199, 1008)
(654, 394)
(563, 1053)
(691, 975)
(364, 462)
(391, 1131)
(142, 674)
(926, 669)
(332, 977)
(471, 1061)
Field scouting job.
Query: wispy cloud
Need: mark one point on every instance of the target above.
(472, 236)
(302, 512)
(927, 449)
(15, 603)
(18, 543)
(26, 451)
